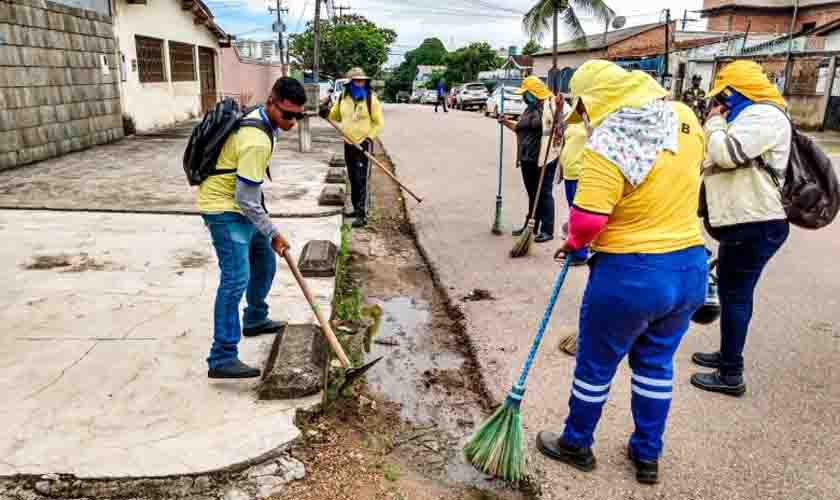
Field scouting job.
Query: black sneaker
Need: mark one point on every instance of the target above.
(352, 215)
(272, 327)
(732, 385)
(234, 369)
(552, 446)
(360, 222)
(707, 360)
(647, 472)
(543, 238)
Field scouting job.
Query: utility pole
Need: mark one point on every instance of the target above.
(341, 9)
(790, 46)
(316, 44)
(280, 28)
(667, 43)
(685, 19)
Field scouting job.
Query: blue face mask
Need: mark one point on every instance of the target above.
(530, 99)
(358, 93)
(735, 103)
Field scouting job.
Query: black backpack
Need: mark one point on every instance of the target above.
(811, 192)
(208, 138)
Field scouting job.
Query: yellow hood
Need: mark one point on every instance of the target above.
(535, 86)
(604, 88)
(748, 78)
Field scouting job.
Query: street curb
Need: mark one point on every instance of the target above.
(278, 215)
(453, 307)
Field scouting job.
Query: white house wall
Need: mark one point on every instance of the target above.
(154, 105)
(542, 64)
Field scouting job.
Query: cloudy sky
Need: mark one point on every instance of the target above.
(455, 22)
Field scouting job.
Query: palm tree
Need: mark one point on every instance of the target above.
(546, 15)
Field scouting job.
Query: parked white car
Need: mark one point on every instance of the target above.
(429, 97)
(514, 105)
(472, 95)
(337, 89)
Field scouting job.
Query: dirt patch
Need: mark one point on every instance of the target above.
(69, 263)
(399, 436)
(193, 260)
(479, 295)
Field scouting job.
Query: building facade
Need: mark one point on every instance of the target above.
(169, 60)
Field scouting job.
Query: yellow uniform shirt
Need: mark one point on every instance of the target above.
(660, 215)
(248, 151)
(355, 120)
(570, 158)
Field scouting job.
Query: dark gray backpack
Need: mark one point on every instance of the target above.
(811, 192)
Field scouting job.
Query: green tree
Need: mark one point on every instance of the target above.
(346, 42)
(547, 14)
(466, 63)
(531, 48)
(431, 52)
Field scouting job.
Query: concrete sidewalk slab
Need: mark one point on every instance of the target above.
(143, 173)
(103, 357)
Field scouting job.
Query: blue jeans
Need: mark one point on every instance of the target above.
(744, 252)
(247, 263)
(571, 191)
(641, 305)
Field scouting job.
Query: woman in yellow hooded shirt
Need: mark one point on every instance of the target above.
(636, 202)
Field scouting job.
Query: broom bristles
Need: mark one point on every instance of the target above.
(568, 344)
(498, 447)
(523, 244)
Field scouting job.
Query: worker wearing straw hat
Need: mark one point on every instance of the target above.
(359, 114)
(532, 131)
(636, 202)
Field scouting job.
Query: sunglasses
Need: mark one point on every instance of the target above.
(291, 115)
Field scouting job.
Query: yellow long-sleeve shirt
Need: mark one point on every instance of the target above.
(356, 121)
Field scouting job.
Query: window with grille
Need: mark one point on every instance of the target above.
(182, 62)
(150, 65)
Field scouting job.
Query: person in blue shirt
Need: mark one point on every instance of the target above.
(441, 92)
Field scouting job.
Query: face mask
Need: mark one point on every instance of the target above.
(358, 93)
(530, 99)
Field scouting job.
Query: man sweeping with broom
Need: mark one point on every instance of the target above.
(636, 202)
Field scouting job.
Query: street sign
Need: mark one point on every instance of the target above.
(278, 26)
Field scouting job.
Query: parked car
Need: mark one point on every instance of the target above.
(429, 97)
(453, 95)
(337, 89)
(403, 96)
(514, 105)
(415, 96)
(472, 96)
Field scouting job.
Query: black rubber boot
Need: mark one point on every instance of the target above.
(707, 360)
(647, 472)
(552, 446)
(272, 327)
(732, 385)
(543, 238)
(234, 369)
(360, 222)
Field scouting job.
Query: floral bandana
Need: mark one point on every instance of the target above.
(633, 138)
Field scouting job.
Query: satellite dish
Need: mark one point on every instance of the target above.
(619, 22)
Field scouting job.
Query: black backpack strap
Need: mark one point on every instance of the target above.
(265, 127)
(760, 161)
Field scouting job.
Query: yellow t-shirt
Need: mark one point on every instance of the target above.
(355, 120)
(570, 158)
(660, 215)
(248, 151)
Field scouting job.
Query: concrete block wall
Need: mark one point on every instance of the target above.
(57, 95)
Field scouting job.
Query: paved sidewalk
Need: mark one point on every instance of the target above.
(779, 442)
(107, 319)
(144, 173)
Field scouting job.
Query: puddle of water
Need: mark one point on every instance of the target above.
(428, 380)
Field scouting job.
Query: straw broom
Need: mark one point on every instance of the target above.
(523, 244)
(498, 448)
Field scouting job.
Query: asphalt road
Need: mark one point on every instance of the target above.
(778, 442)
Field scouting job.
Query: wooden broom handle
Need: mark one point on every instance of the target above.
(375, 161)
(325, 325)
